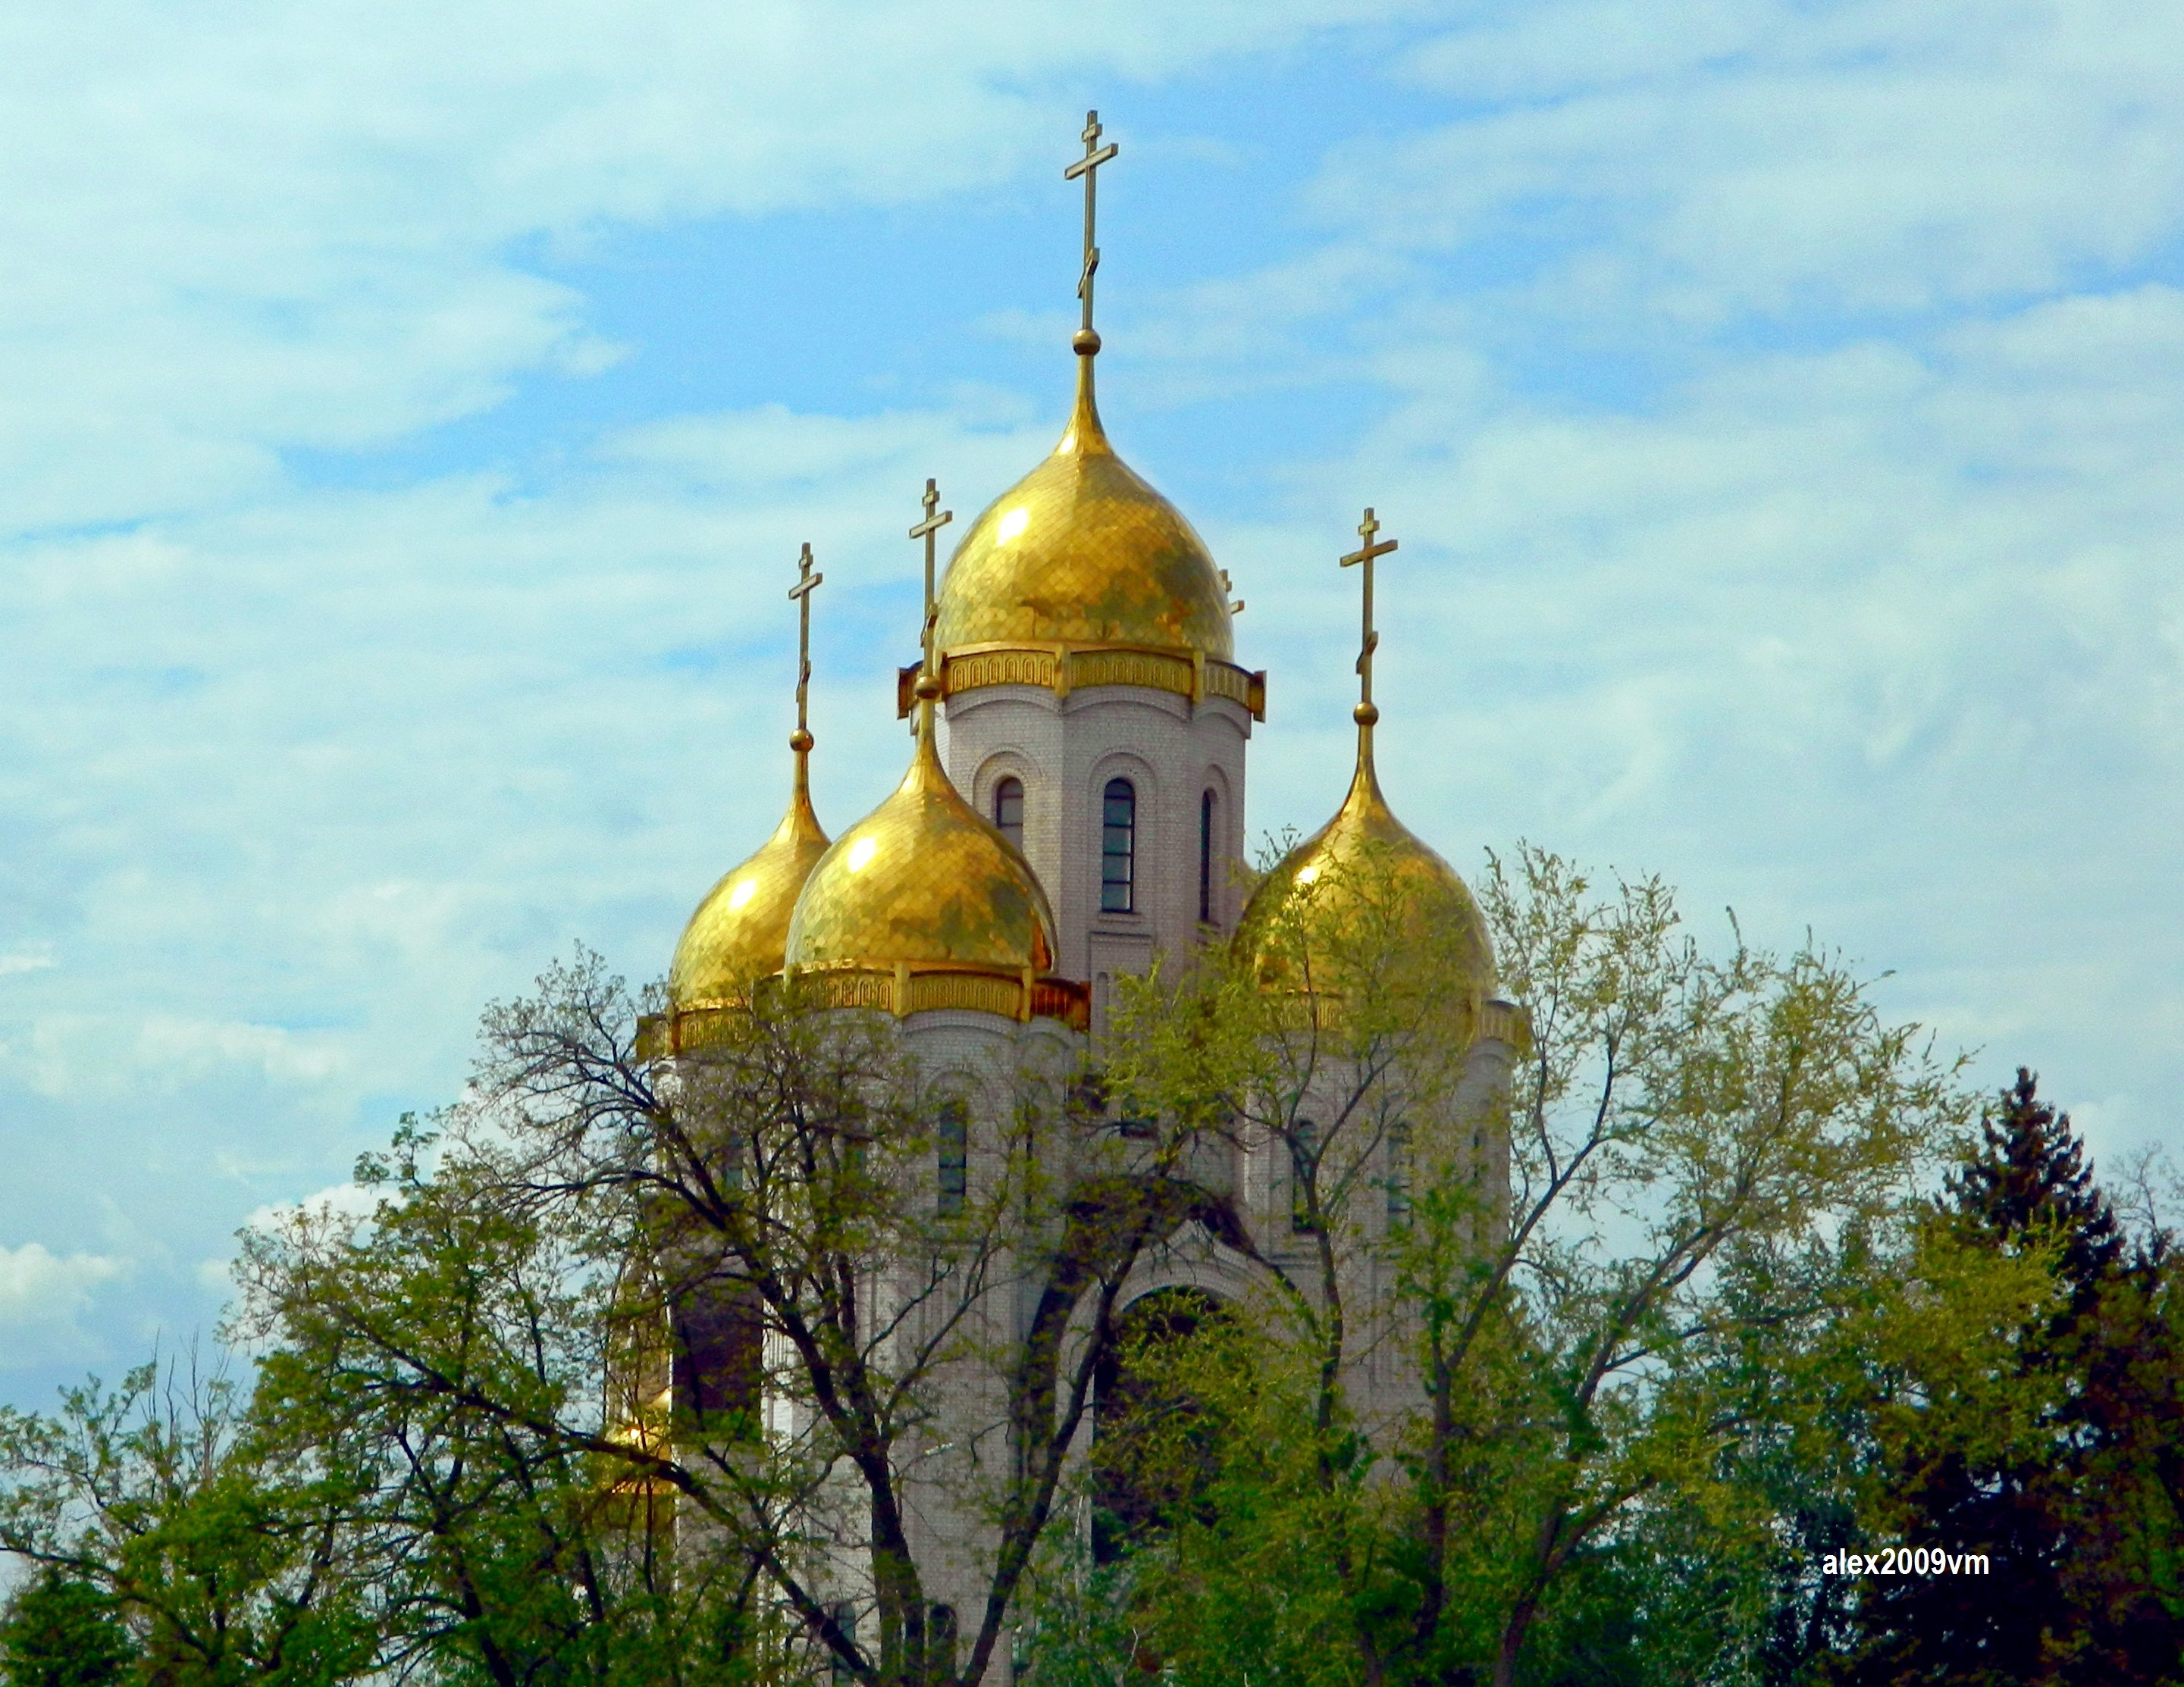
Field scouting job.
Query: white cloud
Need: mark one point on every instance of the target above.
(88, 1055)
(1886, 642)
(266, 226)
(1885, 155)
(1547, 53)
(39, 1287)
(34, 957)
(337, 1200)
(216, 1274)
(344, 1200)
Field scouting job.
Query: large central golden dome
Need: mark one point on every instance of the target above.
(1083, 553)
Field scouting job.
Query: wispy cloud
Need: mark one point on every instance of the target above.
(30, 958)
(1868, 155)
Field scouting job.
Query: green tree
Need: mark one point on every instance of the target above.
(498, 1549)
(1693, 1143)
(463, 1343)
(222, 1553)
(61, 1631)
(2078, 1513)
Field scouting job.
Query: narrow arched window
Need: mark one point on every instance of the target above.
(953, 1141)
(1304, 1162)
(1399, 1173)
(845, 1620)
(1118, 848)
(1208, 806)
(1008, 810)
(940, 1644)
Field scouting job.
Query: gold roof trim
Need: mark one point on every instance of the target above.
(1063, 668)
(904, 990)
(901, 991)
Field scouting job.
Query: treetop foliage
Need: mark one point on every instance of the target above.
(1570, 1354)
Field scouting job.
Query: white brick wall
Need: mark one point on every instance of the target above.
(1065, 750)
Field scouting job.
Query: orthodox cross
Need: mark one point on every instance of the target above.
(806, 583)
(1089, 168)
(926, 530)
(1365, 553)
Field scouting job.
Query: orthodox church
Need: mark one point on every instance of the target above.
(1082, 814)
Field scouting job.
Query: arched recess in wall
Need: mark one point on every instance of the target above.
(1008, 805)
(1137, 1492)
(990, 786)
(716, 1345)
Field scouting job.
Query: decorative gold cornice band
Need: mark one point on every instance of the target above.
(902, 991)
(907, 989)
(1505, 1023)
(1064, 668)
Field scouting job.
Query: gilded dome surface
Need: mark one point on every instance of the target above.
(1364, 847)
(922, 881)
(1083, 552)
(740, 931)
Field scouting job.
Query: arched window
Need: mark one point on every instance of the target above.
(940, 1644)
(716, 1362)
(953, 1140)
(1138, 1403)
(845, 1619)
(1208, 806)
(1304, 1162)
(1008, 810)
(1399, 1173)
(1118, 848)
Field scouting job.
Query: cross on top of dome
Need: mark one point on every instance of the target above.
(1370, 642)
(928, 529)
(1087, 339)
(807, 582)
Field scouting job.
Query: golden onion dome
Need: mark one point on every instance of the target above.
(740, 931)
(922, 886)
(1366, 852)
(1083, 553)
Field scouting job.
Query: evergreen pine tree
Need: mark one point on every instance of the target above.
(60, 1632)
(2080, 1527)
(2030, 1182)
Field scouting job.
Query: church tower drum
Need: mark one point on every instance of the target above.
(1095, 713)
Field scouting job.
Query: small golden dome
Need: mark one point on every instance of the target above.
(1363, 849)
(740, 931)
(1083, 552)
(922, 884)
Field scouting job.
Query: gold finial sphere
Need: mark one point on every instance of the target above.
(1366, 715)
(799, 741)
(928, 686)
(1085, 342)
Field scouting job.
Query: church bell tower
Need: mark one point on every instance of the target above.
(1095, 712)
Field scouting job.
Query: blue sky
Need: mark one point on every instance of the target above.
(409, 415)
